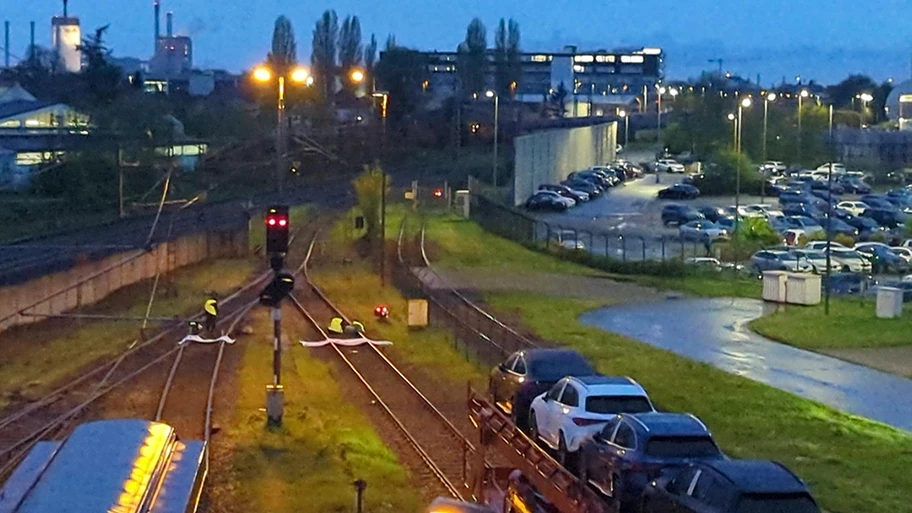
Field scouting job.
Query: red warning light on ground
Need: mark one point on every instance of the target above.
(381, 311)
(438, 193)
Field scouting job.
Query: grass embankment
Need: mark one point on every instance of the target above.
(324, 444)
(851, 464)
(37, 356)
(462, 243)
(851, 324)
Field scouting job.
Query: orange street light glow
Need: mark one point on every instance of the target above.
(262, 74)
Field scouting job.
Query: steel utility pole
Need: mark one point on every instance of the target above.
(829, 225)
(383, 231)
(280, 136)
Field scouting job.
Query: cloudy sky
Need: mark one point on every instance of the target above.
(816, 39)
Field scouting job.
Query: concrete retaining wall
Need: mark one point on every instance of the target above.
(90, 282)
(549, 156)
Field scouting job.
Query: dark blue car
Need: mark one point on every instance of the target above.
(729, 486)
(633, 449)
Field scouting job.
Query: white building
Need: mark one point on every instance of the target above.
(66, 37)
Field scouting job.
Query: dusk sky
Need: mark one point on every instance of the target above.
(823, 40)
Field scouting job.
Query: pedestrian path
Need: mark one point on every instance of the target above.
(715, 331)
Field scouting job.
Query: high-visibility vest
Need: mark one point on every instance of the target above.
(211, 307)
(335, 326)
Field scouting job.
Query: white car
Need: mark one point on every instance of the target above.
(854, 207)
(759, 210)
(820, 245)
(817, 259)
(838, 169)
(906, 243)
(669, 166)
(903, 252)
(558, 198)
(848, 260)
(568, 239)
(703, 230)
(577, 407)
(773, 167)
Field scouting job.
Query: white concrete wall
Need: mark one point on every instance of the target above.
(551, 155)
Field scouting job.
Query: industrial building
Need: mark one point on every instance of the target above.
(598, 82)
(173, 55)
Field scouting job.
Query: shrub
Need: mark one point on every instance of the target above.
(719, 176)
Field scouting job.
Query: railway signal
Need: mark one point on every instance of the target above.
(277, 225)
(277, 290)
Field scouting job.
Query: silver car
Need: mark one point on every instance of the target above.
(849, 260)
(702, 231)
(779, 260)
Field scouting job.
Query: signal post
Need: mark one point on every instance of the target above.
(277, 229)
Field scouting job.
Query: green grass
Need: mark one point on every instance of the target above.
(37, 356)
(705, 285)
(851, 464)
(324, 444)
(851, 324)
(355, 290)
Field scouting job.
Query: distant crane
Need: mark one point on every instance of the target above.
(719, 62)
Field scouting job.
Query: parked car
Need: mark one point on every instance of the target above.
(854, 185)
(713, 264)
(773, 167)
(578, 407)
(837, 226)
(594, 177)
(729, 486)
(567, 192)
(877, 201)
(703, 231)
(529, 373)
(888, 218)
(817, 259)
(713, 213)
(836, 167)
(835, 187)
(778, 260)
(809, 225)
(904, 253)
(588, 187)
(793, 196)
(855, 207)
(633, 449)
(842, 283)
(548, 200)
(821, 245)
(679, 191)
(669, 166)
(679, 214)
(848, 260)
(882, 258)
(567, 239)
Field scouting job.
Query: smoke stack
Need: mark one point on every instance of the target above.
(170, 24)
(157, 22)
(32, 39)
(65, 8)
(6, 34)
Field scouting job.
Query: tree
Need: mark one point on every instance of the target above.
(370, 55)
(368, 189)
(401, 73)
(323, 58)
(284, 52)
(844, 94)
(507, 70)
(351, 52)
(472, 60)
(100, 77)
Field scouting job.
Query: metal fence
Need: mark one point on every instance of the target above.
(622, 246)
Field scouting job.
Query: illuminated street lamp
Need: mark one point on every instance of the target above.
(662, 90)
(865, 98)
(356, 76)
(802, 95)
(769, 98)
(745, 103)
(296, 75)
(623, 114)
(491, 94)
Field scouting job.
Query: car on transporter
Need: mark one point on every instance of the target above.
(529, 373)
(577, 407)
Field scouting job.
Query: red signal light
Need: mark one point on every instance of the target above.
(271, 221)
(381, 311)
(438, 193)
(283, 222)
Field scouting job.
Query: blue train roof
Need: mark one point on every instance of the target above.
(104, 466)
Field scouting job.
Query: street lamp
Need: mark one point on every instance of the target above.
(865, 98)
(623, 114)
(296, 75)
(491, 94)
(734, 119)
(743, 104)
(803, 94)
(771, 97)
(662, 91)
(356, 76)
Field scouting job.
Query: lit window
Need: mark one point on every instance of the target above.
(578, 69)
(583, 58)
(539, 58)
(604, 58)
(652, 51)
(10, 123)
(905, 98)
(632, 59)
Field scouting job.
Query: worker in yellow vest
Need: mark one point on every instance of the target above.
(336, 326)
(210, 307)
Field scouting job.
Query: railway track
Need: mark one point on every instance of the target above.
(181, 402)
(442, 448)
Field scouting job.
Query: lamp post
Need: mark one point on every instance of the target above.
(623, 114)
(829, 224)
(661, 91)
(769, 98)
(492, 94)
(865, 98)
(743, 104)
(803, 94)
(295, 75)
(734, 120)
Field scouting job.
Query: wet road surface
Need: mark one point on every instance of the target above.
(715, 331)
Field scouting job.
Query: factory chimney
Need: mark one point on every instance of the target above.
(157, 23)
(65, 8)
(170, 24)
(32, 39)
